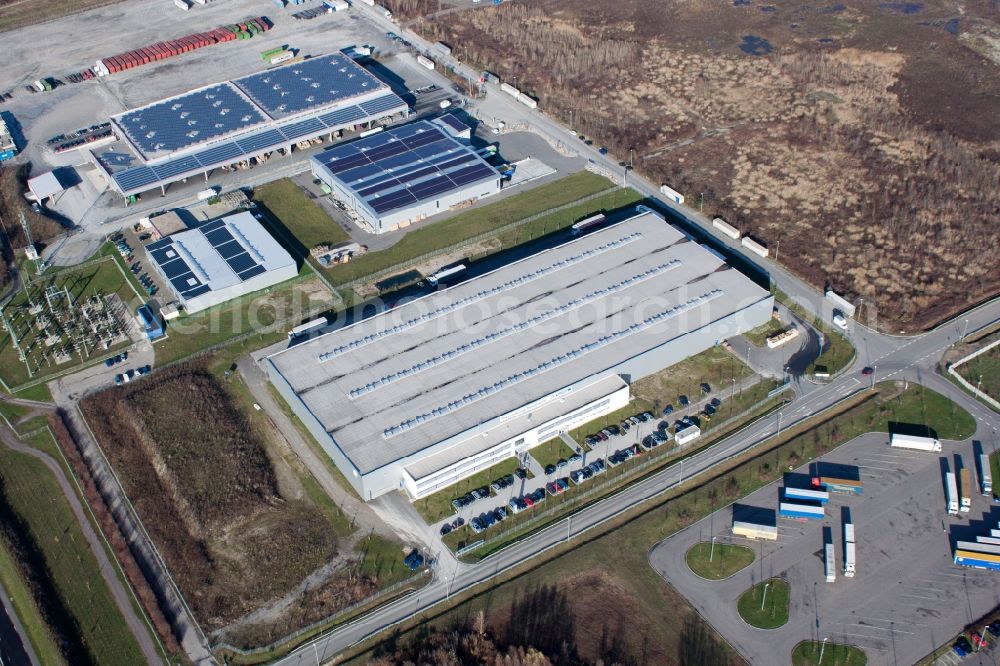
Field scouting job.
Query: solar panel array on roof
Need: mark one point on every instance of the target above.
(189, 119)
(176, 268)
(404, 165)
(138, 178)
(451, 121)
(239, 258)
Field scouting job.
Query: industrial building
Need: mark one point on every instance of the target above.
(439, 388)
(220, 260)
(225, 123)
(405, 174)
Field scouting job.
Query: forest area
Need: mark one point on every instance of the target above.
(860, 140)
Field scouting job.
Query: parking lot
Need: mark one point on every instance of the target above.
(907, 596)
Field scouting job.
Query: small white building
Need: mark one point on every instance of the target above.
(220, 260)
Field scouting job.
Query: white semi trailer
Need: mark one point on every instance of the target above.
(915, 443)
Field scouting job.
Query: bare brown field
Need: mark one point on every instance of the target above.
(861, 136)
(235, 530)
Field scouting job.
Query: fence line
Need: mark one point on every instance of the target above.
(608, 481)
(968, 386)
(319, 624)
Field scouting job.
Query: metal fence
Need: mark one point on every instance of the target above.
(609, 481)
(289, 641)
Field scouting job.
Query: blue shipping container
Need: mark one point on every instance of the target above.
(820, 496)
(6, 155)
(807, 511)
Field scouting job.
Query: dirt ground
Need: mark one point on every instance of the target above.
(860, 136)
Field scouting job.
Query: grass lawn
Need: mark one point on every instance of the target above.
(383, 559)
(435, 507)
(547, 453)
(289, 301)
(35, 497)
(984, 371)
(765, 605)
(807, 653)
(439, 235)
(719, 562)
(715, 366)
(39, 392)
(759, 335)
(293, 209)
(619, 548)
(20, 597)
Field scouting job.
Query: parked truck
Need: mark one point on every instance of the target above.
(951, 493)
(985, 474)
(444, 274)
(915, 443)
(830, 560)
(849, 550)
(965, 476)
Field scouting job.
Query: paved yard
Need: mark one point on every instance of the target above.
(907, 597)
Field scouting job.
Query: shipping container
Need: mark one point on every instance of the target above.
(995, 533)
(370, 3)
(977, 559)
(929, 444)
(755, 531)
(951, 492)
(726, 228)
(842, 303)
(528, 101)
(688, 434)
(965, 494)
(833, 484)
(183, 4)
(279, 58)
(425, 61)
(510, 90)
(992, 540)
(830, 561)
(754, 246)
(985, 474)
(307, 329)
(589, 223)
(672, 194)
(820, 496)
(978, 547)
(800, 511)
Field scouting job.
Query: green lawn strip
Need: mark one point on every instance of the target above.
(311, 441)
(190, 334)
(382, 560)
(437, 506)
(548, 453)
(13, 412)
(807, 653)
(39, 392)
(718, 561)
(111, 250)
(984, 372)
(759, 335)
(839, 351)
(462, 226)
(291, 207)
(20, 597)
(35, 496)
(621, 545)
(714, 366)
(765, 605)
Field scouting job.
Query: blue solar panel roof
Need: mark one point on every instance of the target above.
(189, 119)
(308, 84)
(404, 165)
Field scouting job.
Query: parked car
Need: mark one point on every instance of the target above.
(481, 493)
(978, 642)
(476, 526)
(550, 469)
(646, 416)
(715, 402)
(634, 420)
(624, 426)
(683, 400)
(994, 628)
(576, 457)
(669, 409)
(458, 522)
(501, 513)
(563, 483)
(602, 436)
(521, 473)
(414, 560)
(706, 387)
(964, 643)
(529, 501)
(959, 650)
(445, 529)
(561, 463)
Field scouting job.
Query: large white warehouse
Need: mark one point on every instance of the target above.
(439, 388)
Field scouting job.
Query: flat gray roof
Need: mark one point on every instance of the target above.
(400, 382)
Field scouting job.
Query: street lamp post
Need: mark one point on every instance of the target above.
(763, 597)
(966, 330)
(711, 552)
(821, 648)
(978, 385)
